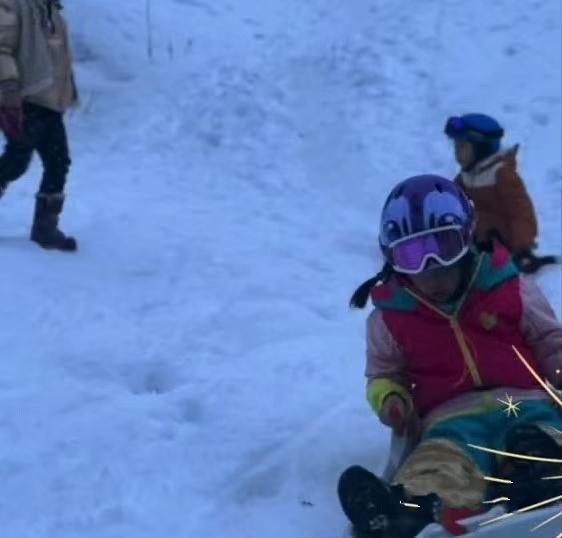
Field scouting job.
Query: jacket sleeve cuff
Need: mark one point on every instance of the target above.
(379, 389)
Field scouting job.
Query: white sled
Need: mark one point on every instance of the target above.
(518, 525)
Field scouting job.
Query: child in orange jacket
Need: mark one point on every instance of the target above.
(490, 179)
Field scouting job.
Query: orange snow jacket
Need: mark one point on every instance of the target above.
(501, 201)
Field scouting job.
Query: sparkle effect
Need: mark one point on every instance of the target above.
(498, 500)
(498, 480)
(515, 455)
(510, 407)
(513, 408)
(410, 505)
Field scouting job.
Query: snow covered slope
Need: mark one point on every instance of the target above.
(194, 369)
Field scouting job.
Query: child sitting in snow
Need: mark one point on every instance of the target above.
(440, 359)
(489, 178)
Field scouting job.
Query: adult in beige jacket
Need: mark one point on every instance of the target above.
(36, 88)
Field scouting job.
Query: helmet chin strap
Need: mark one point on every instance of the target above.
(482, 150)
(466, 264)
(475, 159)
(471, 166)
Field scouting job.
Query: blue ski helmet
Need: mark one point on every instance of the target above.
(481, 130)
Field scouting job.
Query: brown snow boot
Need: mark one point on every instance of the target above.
(45, 231)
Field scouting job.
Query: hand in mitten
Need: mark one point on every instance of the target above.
(525, 261)
(11, 116)
(399, 415)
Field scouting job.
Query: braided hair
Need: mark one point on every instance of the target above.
(361, 295)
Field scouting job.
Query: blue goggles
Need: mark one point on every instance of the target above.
(457, 127)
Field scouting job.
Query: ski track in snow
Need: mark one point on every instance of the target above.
(194, 369)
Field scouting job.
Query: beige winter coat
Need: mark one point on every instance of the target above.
(35, 56)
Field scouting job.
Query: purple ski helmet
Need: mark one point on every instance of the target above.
(425, 219)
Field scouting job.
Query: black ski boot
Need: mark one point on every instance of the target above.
(45, 231)
(376, 510)
(528, 476)
(529, 263)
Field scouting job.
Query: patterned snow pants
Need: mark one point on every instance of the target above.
(445, 464)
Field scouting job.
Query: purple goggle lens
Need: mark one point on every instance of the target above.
(446, 246)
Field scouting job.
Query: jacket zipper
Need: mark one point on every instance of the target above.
(468, 358)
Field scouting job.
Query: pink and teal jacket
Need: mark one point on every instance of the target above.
(447, 363)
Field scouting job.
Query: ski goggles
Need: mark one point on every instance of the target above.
(445, 245)
(457, 127)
